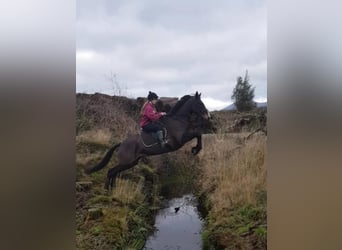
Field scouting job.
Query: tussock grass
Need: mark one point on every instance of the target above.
(91, 145)
(238, 170)
(96, 136)
(234, 182)
(84, 160)
(125, 218)
(128, 192)
(118, 114)
(230, 173)
(126, 215)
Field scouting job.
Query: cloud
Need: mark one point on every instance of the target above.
(171, 47)
(213, 104)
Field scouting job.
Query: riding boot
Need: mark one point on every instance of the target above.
(160, 138)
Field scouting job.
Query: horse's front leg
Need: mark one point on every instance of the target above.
(195, 150)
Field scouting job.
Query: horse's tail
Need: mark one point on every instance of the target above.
(104, 161)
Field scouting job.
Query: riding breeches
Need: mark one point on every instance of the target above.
(152, 127)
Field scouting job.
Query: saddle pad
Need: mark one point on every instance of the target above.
(149, 138)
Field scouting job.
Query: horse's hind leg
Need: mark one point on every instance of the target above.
(110, 180)
(113, 172)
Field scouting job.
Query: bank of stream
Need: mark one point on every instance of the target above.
(178, 224)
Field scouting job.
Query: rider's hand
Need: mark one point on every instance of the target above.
(163, 113)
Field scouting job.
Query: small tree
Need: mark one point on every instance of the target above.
(243, 94)
(116, 86)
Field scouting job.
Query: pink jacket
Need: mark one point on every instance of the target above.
(150, 114)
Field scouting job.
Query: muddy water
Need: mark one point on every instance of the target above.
(178, 226)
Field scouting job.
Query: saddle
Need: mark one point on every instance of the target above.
(151, 139)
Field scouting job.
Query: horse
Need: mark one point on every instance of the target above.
(180, 129)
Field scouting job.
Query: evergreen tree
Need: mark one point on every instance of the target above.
(243, 94)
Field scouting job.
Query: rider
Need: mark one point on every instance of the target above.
(150, 116)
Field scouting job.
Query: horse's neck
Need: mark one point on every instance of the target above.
(184, 111)
(177, 124)
(182, 115)
(180, 119)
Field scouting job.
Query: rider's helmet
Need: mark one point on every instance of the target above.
(152, 96)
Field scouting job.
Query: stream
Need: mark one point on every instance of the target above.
(178, 226)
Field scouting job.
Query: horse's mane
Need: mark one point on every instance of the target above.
(179, 104)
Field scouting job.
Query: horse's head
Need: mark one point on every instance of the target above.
(189, 105)
(198, 107)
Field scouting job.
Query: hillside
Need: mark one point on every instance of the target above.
(116, 112)
(113, 112)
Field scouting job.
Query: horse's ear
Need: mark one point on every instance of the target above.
(200, 94)
(196, 95)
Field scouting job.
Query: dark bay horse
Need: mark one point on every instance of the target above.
(180, 130)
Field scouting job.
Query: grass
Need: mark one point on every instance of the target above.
(126, 216)
(230, 175)
(128, 192)
(125, 221)
(96, 136)
(234, 183)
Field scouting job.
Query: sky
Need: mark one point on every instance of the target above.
(172, 48)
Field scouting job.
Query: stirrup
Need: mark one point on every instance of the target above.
(164, 143)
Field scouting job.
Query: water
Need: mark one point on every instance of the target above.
(177, 230)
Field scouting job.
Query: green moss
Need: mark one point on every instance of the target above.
(241, 227)
(261, 231)
(206, 244)
(96, 230)
(122, 226)
(98, 177)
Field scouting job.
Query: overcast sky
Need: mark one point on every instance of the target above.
(173, 47)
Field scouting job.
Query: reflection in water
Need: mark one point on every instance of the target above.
(178, 226)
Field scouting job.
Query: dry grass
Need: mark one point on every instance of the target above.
(128, 192)
(91, 146)
(86, 160)
(101, 121)
(235, 171)
(232, 121)
(233, 177)
(232, 174)
(125, 212)
(96, 136)
(118, 114)
(223, 120)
